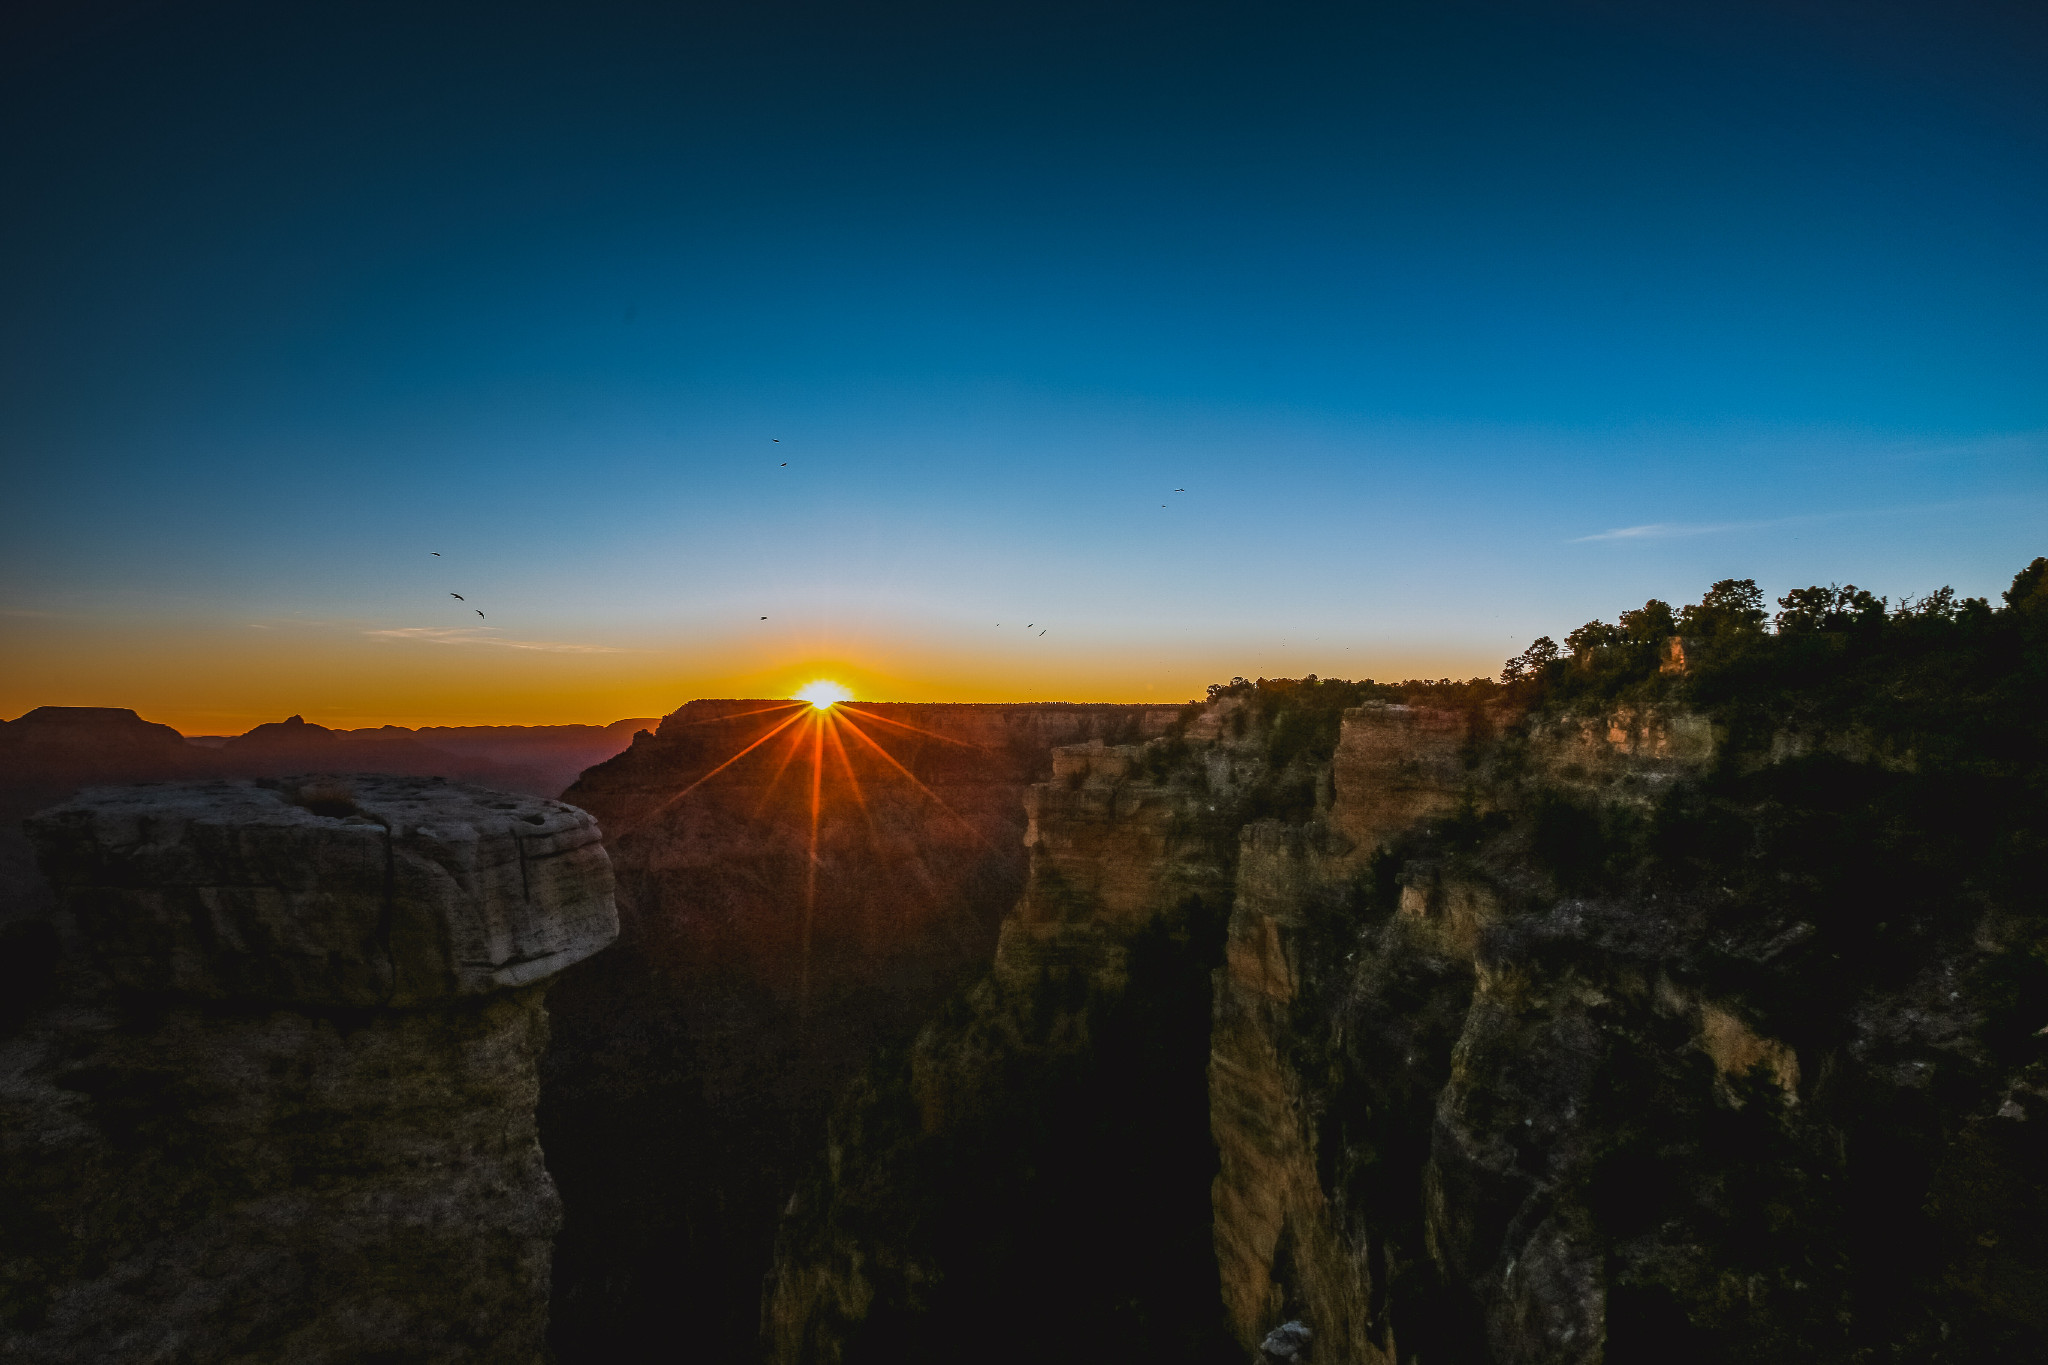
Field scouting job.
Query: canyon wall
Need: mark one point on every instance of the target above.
(276, 1098)
(1541, 1035)
(796, 888)
(1478, 1097)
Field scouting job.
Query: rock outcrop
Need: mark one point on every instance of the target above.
(53, 752)
(280, 1103)
(1484, 1090)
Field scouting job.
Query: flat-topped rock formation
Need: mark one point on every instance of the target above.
(365, 891)
(282, 1107)
(53, 752)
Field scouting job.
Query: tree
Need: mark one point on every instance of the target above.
(1531, 662)
(1733, 606)
(1807, 611)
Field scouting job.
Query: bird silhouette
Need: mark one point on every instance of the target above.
(479, 613)
(776, 439)
(458, 597)
(764, 618)
(435, 553)
(1043, 632)
(1180, 490)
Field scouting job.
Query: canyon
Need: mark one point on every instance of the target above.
(1678, 997)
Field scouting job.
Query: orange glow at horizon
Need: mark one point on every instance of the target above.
(204, 678)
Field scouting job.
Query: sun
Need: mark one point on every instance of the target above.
(823, 694)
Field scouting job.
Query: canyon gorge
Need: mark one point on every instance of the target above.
(1681, 996)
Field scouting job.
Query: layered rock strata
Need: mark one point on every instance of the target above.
(282, 1106)
(1478, 1095)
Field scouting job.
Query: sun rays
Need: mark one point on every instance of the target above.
(808, 766)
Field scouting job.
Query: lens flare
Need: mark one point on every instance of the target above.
(822, 694)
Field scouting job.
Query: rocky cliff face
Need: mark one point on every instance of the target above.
(1280, 1255)
(1535, 1035)
(796, 888)
(1479, 1093)
(278, 1103)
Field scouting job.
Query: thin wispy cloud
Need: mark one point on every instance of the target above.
(482, 635)
(1665, 530)
(1672, 530)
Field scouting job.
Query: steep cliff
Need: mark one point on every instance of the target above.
(796, 888)
(277, 1103)
(1657, 1013)
(1680, 998)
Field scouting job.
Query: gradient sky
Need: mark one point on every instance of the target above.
(1459, 324)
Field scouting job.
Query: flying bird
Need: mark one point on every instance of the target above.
(458, 597)
(1043, 632)
(1180, 490)
(479, 613)
(435, 553)
(776, 439)
(785, 464)
(764, 618)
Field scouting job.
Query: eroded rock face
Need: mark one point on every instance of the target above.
(282, 1108)
(1477, 1097)
(1278, 1247)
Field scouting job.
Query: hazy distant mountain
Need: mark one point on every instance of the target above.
(294, 745)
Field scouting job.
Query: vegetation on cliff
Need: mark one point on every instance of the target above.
(1754, 1074)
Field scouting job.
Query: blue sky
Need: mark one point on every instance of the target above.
(1421, 304)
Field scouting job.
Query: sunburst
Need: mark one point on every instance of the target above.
(823, 695)
(814, 729)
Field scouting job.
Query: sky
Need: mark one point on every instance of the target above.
(985, 351)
